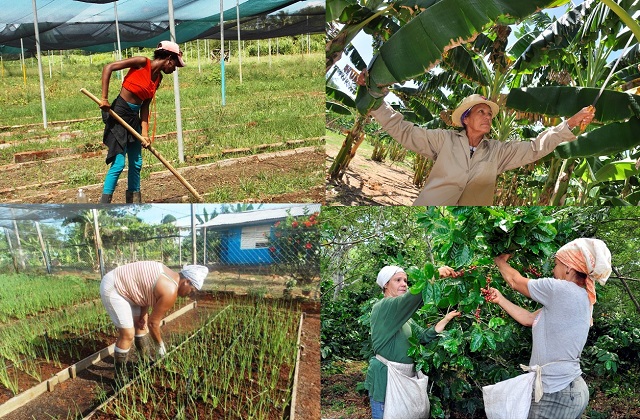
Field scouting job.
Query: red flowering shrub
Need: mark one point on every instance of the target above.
(293, 244)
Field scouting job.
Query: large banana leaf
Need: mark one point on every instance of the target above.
(617, 171)
(340, 103)
(340, 96)
(555, 38)
(418, 46)
(567, 100)
(610, 139)
(460, 60)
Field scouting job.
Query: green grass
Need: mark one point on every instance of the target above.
(268, 183)
(276, 102)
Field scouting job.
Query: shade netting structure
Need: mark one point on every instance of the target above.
(91, 24)
(57, 239)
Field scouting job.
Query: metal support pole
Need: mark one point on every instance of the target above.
(222, 52)
(44, 104)
(115, 11)
(239, 44)
(194, 259)
(176, 89)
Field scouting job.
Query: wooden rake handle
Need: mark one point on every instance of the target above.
(150, 148)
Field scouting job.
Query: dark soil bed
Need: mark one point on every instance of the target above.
(207, 180)
(77, 397)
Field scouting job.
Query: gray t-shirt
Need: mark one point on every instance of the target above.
(559, 330)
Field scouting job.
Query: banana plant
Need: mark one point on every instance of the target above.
(577, 46)
(341, 103)
(416, 47)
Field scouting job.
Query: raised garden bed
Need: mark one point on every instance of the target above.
(206, 346)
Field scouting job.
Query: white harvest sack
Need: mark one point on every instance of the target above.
(406, 396)
(510, 399)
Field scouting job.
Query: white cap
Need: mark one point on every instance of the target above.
(195, 274)
(386, 273)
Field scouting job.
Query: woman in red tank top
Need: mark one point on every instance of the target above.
(132, 104)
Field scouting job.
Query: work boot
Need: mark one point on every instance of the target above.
(133, 197)
(121, 376)
(143, 344)
(106, 198)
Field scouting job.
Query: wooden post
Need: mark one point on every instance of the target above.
(98, 242)
(45, 256)
(20, 255)
(13, 254)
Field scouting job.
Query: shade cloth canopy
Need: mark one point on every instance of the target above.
(90, 24)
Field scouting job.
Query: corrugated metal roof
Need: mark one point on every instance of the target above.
(251, 217)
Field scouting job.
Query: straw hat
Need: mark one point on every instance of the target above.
(468, 103)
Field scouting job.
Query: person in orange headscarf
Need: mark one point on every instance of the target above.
(561, 326)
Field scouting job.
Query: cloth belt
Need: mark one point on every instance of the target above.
(538, 370)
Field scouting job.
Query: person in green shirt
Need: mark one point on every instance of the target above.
(391, 327)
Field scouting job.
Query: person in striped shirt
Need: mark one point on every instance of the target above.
(129, 291)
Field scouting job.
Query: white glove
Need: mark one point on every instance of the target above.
(161, 350)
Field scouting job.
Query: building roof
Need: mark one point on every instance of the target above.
(252, 217)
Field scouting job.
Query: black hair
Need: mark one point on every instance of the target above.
(162, 54)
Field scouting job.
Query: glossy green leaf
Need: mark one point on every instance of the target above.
(489, 338)
(450, 345)
(437, 360)
(605, 141)
(477, 339)
(617, 171)
(496, 322)
(465, 362)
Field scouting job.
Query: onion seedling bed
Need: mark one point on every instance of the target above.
(35, 348)
(238, 365)
(196, 341)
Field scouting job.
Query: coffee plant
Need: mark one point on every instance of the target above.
(484, 345)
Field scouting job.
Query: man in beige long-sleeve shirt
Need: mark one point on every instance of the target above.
(466, 162)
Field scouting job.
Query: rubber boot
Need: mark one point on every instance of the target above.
(121, 376)
(133, 197)
(143, 344)
(106, 198)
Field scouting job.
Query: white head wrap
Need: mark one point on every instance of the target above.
(386, 273)
(195, 274)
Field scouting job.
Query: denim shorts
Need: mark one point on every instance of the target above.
(568, 403)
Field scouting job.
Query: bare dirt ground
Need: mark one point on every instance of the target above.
(367, 182)
(164, 187)
(75, 398)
